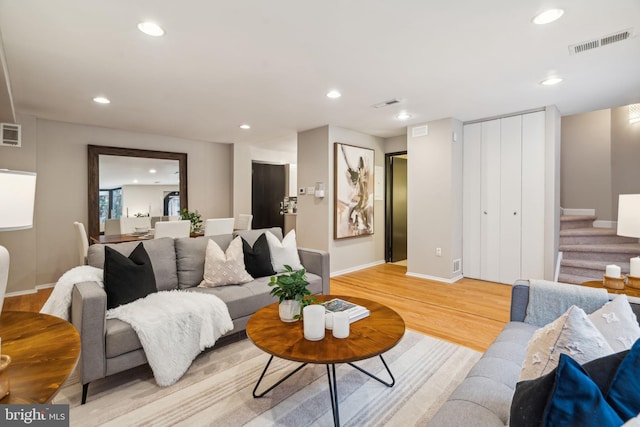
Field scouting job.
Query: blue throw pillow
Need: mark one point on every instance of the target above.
(624, 392)
(577, 401)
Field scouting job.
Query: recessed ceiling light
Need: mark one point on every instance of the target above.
(152, 171)
(135, 181)
(245, 126)
(551, 81)
(333, 94)
(548, 16)
(101, 100)
(151, 29)
(403, 115)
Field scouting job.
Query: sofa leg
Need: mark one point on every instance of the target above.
(85, 390)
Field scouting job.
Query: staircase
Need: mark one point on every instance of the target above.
(588, 250)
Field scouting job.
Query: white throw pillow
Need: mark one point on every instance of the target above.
(224, 268)
(573, 334)
(617, 322)
(285, 252)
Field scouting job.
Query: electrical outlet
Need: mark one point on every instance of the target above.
(438, 251)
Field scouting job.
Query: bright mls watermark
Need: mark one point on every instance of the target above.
(34, 415)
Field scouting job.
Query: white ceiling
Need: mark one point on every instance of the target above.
(270, 63)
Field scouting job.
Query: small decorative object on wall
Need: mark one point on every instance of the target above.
(354, 182)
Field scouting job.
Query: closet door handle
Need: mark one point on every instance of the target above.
(515, 213)
(485, 212)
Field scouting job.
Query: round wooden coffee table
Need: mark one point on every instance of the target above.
(368, 337)
(44, 351)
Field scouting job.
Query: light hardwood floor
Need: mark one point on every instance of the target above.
(468, 312)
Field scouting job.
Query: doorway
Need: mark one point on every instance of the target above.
(396, 207)
(267, 194)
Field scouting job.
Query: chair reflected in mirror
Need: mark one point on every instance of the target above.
(216, 226)
(82, 242)
(243, 222)
(173, 229)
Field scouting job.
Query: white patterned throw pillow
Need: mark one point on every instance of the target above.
(617, 322)
(573, 334)
(285, 252)
(222, 268)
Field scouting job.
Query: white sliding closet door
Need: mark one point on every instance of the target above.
(504, 198)
(533, 173)
(490, 201)
(510, 198)
(471, 207)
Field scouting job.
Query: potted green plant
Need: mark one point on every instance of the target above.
(291, 289)
(194, 217)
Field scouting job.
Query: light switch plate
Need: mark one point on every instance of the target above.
(311, 190)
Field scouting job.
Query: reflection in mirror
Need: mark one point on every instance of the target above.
(135, 187)
(134, 183)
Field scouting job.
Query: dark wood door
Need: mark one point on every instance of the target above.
(267, 192)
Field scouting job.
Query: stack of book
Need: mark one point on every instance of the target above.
(356, 312)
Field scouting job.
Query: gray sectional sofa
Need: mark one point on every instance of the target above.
(484, 398)
(111, 346)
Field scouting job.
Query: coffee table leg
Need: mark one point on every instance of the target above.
(393, 380)
(276, 384)
(333, 392)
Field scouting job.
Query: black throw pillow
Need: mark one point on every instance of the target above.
(257, 259)
(127, 279)
(532, 397)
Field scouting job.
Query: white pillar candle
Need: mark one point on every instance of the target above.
(328, 321)
(340, 325)
(313, 320)
(612, 271)
(634, 267)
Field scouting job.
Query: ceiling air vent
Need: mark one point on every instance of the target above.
(602, 41)
(386, 103)
(10, 135)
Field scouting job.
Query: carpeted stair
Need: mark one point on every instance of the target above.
(588, 250)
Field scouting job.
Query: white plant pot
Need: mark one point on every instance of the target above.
(288, 309)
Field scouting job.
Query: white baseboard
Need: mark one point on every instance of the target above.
(18, 293)
(605, 224)
(31, 291)
(356, 268)
(435, 278)
(578, 211)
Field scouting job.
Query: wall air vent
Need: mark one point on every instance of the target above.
(386, 103)
(11, 135)
(602, 41)
(419, 131)
(457, 265)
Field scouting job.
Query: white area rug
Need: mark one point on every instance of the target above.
(217, 390)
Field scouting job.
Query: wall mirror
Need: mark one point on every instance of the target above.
(131, 182)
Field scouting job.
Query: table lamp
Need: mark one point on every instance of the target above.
(629, 226)
(17, 197)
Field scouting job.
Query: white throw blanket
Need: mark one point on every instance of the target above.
(59, 301)
(174, 327)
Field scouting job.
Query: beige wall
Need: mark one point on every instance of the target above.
(435, 200)
(243, 156)
(586, 163)
(600, 152)
(395, 144)
(57, 151)
(315, 215)
(625, 156)
(347, 254)
(312, 222)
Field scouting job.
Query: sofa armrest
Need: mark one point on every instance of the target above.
(88, 315)
(316, 262)
(519, 300)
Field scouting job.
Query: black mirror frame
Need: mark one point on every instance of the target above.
(93, 191)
